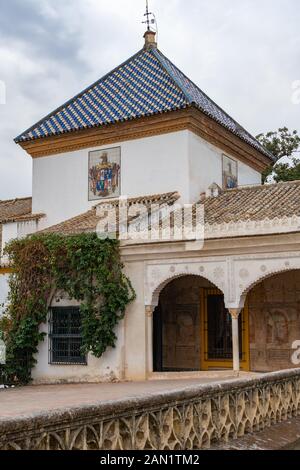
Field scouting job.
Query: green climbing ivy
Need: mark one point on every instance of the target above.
(87, 268)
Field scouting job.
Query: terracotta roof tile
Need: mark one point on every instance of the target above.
(13, 208)
(254, 203)
(24, 218)
(88, 221)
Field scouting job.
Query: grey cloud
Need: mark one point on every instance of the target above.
(28, 21)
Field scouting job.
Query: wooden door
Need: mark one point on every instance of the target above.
(180, 338)
(216, 333)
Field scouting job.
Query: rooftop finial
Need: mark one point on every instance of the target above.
(147, 14)
(149, 35)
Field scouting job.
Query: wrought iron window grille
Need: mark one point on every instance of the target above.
(65, 338)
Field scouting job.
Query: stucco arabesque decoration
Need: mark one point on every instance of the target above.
(253, 227)
(235, 276)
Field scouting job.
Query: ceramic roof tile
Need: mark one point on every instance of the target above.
(207, 105)
(146, 84)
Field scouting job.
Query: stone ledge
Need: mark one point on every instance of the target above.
(193, 417)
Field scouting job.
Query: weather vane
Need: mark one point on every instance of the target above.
(150, 17)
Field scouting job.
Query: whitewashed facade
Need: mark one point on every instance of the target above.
(180, 148)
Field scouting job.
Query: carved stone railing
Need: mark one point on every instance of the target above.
(192, 418)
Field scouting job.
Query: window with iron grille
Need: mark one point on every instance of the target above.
(65, 336)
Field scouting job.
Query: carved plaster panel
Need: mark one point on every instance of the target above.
(233, 275)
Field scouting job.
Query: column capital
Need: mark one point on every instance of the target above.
(149, 309)
(235, 312)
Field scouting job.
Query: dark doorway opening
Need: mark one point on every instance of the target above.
(176, 337)
(219, 329)
(176, 326)
(192, 329)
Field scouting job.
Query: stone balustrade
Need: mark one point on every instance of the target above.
(191, 418)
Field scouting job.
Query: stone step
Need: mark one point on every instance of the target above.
(193, 375)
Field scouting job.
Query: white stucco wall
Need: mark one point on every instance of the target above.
(128, 361)
(106, 369)
(205, 167)
(9, 232)
(247, 175)
(148, 166)
(135, 351)
(13, 230)
(180, 161)
(109, 367)
(26, 228)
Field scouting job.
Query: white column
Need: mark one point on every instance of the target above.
(235, 338)
(149, 338)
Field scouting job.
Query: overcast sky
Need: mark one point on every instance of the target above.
(245, 54)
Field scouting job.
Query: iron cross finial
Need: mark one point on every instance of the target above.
(147, 14)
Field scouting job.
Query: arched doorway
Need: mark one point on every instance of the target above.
(274, 317)
(192, 329)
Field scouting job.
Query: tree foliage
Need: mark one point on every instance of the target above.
(282, 143)
(286, 172)
(88, 269)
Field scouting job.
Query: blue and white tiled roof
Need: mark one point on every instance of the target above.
(146, 84)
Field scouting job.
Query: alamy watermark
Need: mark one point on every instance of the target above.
(296, 355)
(2, 92)
(296, 92)
(155, 222)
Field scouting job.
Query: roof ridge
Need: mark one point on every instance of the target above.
(4, 201)
(75, 97)
(116, 201)
(193, 101)
(287, 182)
(203, 92)
(157, 53)
(20, 217)
(261, 186)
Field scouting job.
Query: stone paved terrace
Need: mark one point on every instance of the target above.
(282, 436)
(26, 401)
(195, 413)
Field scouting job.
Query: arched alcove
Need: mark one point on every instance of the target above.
(274, 321)
(192, 329)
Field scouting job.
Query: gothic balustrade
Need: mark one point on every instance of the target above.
(193, 418)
